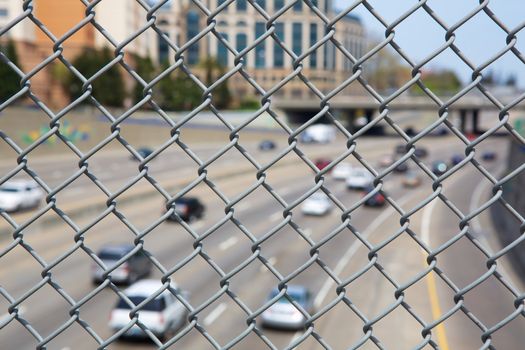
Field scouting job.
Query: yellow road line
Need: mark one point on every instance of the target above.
(436, 311)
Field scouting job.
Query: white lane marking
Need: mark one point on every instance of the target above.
(307, 232)
(6, 316)
(198, 225)
(476, 224)
(271, 261)
(425, 222)
(74, 191)
(228, 243)
(295, 336)
(57, 174)
(214, 315)
(276, 216)
(355, 246)
(242, 206)
(286, 191)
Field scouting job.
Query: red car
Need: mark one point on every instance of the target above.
(322, 163)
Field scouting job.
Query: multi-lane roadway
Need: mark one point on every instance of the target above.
(342, 326)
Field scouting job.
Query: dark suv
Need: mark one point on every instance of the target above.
(188, 208)
(135, 267)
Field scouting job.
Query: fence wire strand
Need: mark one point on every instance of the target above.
(338, 293)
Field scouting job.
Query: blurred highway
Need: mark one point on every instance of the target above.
(224, 320)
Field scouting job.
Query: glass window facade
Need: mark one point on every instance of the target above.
(222, 51)
(241, 41)
(164, 49)
(241, 5)
(327, 6)
(298, 6)
(313, 41)
(260, 50)
(297, 38)
(278, 4)
(278, 52)
(192, 30)
(261, 3)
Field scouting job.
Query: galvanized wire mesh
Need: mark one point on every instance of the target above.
(338, 295)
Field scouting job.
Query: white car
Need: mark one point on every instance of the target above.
(20, 194)
(341, 171)
(283, 314)
(359, 178)
(318, 133)
(162, 315)
(317, 204)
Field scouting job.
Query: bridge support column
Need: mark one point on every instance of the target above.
(350, 115)
(475, 122)
(463, 120)
(369, 115)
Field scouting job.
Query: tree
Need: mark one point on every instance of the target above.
(385, 71)
(440, 82)
(512, 80)
(10, 79)
(213, 70)
(177, 92)
(145, 68)
(108, 88)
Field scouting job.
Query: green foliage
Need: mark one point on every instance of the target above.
(213, 70)
(108, 88)
(10, 80)
(440, 82)
(250, 104)
(177, 92)
(145, 68)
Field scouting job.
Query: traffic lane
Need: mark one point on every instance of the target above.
(398, 261)
(282, 188)
(286, 253)
(194, 271)
(490, 302)
(115, 170)
(70, 280)
(404, 266)
(372, 293)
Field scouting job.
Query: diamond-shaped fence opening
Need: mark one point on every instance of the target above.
(261, 174)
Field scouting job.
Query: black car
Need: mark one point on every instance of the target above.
(400, 149)
(488, 155)
(267, 145)
(401, 168)
(421, 152)
(188, 208)
(144, 152)
(456, 159)
(377, 200)
(135, 267)
(439, 167)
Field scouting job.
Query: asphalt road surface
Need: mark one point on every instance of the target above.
(341, 327)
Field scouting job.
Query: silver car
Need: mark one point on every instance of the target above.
(163, 315)
(283, 314)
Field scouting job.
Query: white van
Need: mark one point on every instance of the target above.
(319, 133)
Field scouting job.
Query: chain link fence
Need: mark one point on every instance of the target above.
(339, 294)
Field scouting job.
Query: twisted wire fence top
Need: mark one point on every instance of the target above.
(341, 285)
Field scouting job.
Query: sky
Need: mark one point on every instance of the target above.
(479, 38)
